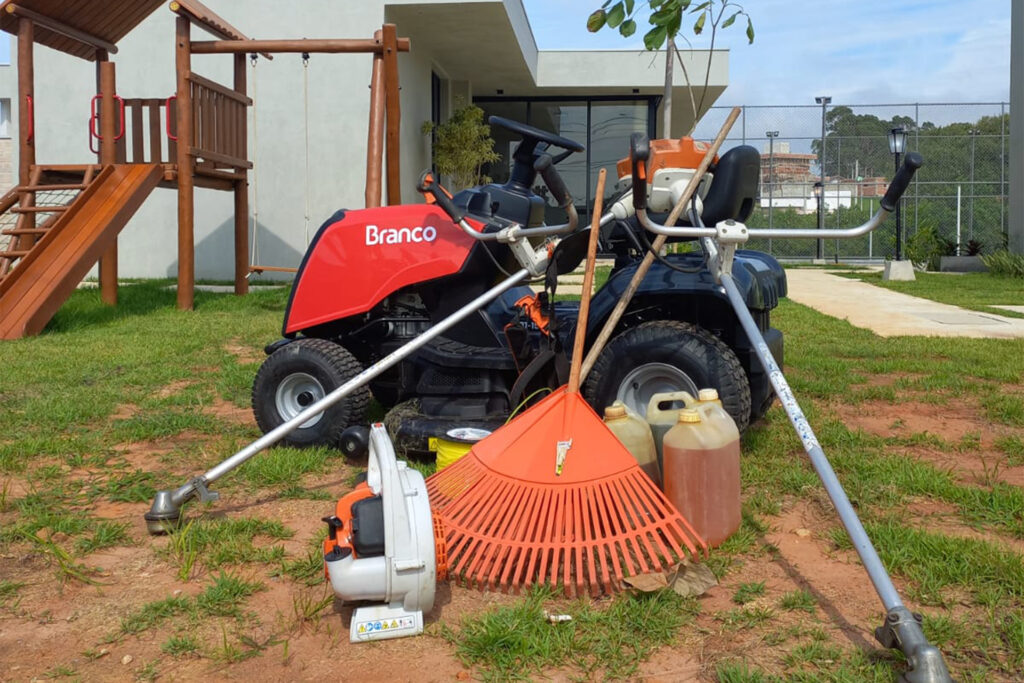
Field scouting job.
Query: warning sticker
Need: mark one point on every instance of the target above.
(368, 629)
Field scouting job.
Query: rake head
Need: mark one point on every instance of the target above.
(510, 521)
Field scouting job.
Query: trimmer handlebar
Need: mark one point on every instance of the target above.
(639, 153)
(902, 180)
(427, 184)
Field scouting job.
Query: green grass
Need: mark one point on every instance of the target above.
(223, 597)
(974, 291)
(9, 591)
(178, 646)
(63, 445)
(748, 592)
(802, 600)
(519, 642)
(230, 541)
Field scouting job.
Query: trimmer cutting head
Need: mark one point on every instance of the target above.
(164, 516)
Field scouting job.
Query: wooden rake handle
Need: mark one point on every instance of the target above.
(588, 284)
(645, 265)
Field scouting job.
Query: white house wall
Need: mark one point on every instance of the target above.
(338, 109)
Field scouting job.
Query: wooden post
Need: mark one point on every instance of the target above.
(109, 122)
(26, 132)
(375, 139)
(241, 186)
(394, 113)
(26, 96)
(186, 170)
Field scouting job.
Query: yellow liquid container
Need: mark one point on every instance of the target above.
(663, 414)
(711, 410)
(635, 434)
(702, 476)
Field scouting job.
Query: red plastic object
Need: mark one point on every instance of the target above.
(355, 262)
(167, 117)
(95, 117)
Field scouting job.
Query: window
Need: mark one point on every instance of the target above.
(602, 124)
(5, 117)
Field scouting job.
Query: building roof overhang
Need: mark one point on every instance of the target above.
(490, 44)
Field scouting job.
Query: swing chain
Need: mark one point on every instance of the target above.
(305, 59)
(252, 58)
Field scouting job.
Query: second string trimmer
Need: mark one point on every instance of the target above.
(554, 498)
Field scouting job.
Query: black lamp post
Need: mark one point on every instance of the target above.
(772, 134)
(824, 101)
(819, 196)
(898, 145)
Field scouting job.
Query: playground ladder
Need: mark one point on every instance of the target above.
(74, 235)
(28, 212)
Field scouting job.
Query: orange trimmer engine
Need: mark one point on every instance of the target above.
(668, 170)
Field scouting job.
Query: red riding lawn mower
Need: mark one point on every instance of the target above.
(374, 279)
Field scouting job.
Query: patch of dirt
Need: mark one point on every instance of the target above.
(125, 411)
(245, 354)
(950, 423)
(230, 412)
(53, 624)
(174, 388)
(972, 456)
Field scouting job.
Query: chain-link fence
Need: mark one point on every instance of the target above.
(957, 203)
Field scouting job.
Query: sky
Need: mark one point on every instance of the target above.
(863, 52)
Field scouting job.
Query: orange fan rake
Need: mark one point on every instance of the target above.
(510, 521)
(554, 498)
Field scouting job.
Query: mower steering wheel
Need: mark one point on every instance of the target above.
(536, 134)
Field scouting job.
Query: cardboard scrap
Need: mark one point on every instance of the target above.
(686, 578)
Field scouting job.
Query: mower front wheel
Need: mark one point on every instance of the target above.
(299, 374)
(667, 356)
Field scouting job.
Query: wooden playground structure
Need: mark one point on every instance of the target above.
(62, 218)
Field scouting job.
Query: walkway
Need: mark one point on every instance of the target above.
(891, 314)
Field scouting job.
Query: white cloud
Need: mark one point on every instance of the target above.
(869, 51)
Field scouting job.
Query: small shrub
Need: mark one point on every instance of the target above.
(1004, 263)
(463, 144)
(925, 248)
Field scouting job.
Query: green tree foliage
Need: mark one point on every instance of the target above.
(665, 21)
(462, 145)
(666, 18)
(965, 155)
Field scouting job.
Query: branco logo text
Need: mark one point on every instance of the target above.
(375, 235)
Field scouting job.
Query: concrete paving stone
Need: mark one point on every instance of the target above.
(891, 314)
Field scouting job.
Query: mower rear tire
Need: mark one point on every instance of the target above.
(667, 355)
(297, 375)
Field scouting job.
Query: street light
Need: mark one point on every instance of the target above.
(819, 195)
(974, 133)
(898, 145)
(772, 134)
(824, 101)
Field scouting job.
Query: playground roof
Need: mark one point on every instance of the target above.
(80, 27)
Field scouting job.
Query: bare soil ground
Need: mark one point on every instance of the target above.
(68, 628)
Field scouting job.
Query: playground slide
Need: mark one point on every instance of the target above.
(43, 280)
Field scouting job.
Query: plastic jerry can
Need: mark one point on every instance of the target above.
(711, 410)
(635, 434)
(662, 416)
(702, 476)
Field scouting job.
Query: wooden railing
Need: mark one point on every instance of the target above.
(218, 123)
(148, 135)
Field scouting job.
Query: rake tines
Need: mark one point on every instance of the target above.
(510, 521)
